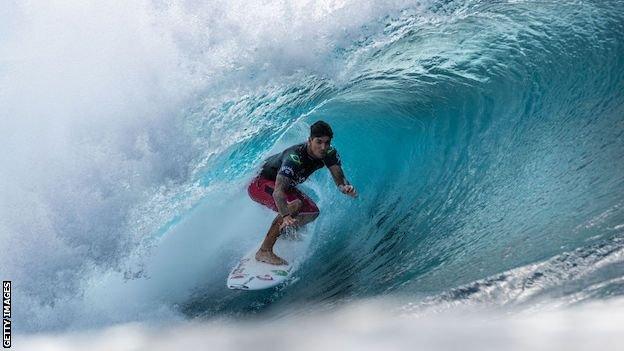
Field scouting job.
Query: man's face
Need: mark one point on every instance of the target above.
(319, 146)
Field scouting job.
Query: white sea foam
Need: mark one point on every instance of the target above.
(97, 147)
(368, 325)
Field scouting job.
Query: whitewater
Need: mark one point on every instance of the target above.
(485, 139)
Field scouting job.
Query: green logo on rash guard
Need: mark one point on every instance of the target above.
(295, 158)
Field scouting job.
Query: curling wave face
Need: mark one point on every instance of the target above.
(484, 139)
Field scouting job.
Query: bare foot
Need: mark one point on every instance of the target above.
(269, 257)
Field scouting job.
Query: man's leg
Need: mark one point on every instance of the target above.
(265, 254)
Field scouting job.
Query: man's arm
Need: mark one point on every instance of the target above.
(341, 181)
(338, 175)
(282, 184)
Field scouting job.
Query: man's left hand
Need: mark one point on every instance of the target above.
(348, 190)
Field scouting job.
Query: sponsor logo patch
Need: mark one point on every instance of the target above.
(295, 158)
(288, 171)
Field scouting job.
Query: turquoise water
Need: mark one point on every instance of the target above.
(485, 140)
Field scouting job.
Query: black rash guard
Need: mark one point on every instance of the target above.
(295, 163)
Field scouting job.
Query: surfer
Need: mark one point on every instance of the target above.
(275, 186)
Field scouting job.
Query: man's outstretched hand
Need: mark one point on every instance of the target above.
(348, 190)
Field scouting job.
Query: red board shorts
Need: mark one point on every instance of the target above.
(261, 191)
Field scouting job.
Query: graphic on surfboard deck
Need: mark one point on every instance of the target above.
(250, 274)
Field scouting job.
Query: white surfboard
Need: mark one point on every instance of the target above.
(250, 274)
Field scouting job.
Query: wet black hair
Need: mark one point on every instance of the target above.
(320, 129)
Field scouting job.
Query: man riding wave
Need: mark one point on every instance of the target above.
(275, 186)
